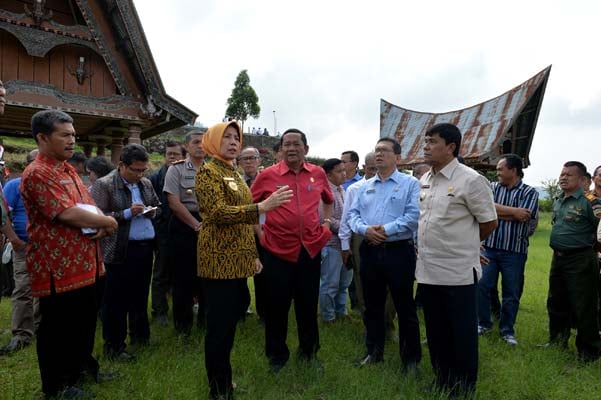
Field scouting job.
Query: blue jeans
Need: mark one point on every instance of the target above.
(511, 266)
(335, 280)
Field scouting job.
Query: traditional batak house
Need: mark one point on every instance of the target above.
(89, 58)
(505, 124)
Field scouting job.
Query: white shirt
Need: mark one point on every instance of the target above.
(344, 232)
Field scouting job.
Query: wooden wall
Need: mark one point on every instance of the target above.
(53, 69)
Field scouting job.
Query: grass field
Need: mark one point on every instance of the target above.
(170, 369)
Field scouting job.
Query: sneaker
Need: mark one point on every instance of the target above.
(482, 330)
(510, 340)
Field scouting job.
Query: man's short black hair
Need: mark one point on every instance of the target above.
(330, 164)
(449, 132)
(294, 130)
(192, 133)
(587, 175)
(396, 146)
(77, 158)
(171, 143)
(276, 147)
(133, 152)
(579, 166)
(45, 122)
(597, 170)
(353, 154)
(513, 161)
(100, 165)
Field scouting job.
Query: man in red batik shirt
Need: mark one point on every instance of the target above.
(292, 237)
(63, 262)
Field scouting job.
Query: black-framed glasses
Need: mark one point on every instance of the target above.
(139, 171)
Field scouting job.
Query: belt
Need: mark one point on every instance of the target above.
(149, 242)
(395, 245)
(571, 252)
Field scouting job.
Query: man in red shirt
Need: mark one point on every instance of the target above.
(292, 237)
(63, 262)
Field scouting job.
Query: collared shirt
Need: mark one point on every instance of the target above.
(513, 235)
(296, 223)
(157, 178)
(573, 223)
(12, 195)
(249, 181)
(453, 202)
(352, 180)
(336, 216)
(56, 252)
(391, 203)
(141, 227)
(180, 181)
(344, 233)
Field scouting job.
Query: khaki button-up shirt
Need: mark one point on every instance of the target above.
(180, 181)
(453, 202)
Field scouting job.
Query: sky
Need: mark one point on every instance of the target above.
(323, 66)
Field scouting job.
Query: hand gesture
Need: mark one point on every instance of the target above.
(522, 214)
(277, 198)
(375, 235)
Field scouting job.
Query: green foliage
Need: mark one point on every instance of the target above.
(545, 205)
(551, 187)
(243, 102)
(173, 369)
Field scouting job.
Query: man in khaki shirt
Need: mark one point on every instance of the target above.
(457, 212)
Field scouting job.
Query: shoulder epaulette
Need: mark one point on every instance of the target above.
(178, 162)
(590, 196)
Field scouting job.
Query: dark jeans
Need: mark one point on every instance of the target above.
(223, 305)
(573, 299)
(392, 268)
(511, 267)
(126, 297)
(287, 281)
(451, 328)
(161, 273)
(65, 337)
(186, 284)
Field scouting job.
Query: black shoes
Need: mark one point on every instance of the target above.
(118, 355)
(371, 359)
(14, 345)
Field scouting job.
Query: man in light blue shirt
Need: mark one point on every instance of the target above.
(385, 211)
(350, 160)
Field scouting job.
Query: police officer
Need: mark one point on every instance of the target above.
(183, 232)
(574, 266)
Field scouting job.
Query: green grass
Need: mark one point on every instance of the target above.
(170, 369)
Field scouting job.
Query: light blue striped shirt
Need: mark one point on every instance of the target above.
(392, 203)
(141, 227)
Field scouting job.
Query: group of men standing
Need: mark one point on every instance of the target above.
(396, 229)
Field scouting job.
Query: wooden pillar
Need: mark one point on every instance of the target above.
(101, 142)
(116, 149)
(134, 131)
(88, 147)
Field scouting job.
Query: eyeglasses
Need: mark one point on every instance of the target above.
(383, 150)
(139, 171)
(249, 158)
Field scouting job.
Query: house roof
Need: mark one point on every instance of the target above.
(504, 124)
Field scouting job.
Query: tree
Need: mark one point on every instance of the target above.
(243, 102)
(551, 187)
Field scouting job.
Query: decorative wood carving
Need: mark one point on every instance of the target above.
(39, 13)
(80, 71)
(150, 110)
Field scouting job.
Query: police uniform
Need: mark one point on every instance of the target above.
(180, 181)
(574, 274)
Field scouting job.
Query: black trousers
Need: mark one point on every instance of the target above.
(451, 318)
(183, 241)
(287, 281)
(393, 268)
(223, 300)
(161, 273)
(260, 285)
(65, 337)
(572, 299)
(126, 297)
